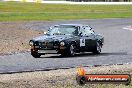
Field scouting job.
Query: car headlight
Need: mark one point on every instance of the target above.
(62, 43)
(31, 43)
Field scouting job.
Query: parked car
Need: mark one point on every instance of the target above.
(67, 40)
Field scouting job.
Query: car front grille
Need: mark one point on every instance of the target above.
(47, 44)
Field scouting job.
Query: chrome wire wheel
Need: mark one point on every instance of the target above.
(98, 48)
(72, 50)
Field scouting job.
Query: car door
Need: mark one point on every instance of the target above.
(87, 38)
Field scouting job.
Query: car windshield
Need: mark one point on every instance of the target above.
(63, 30)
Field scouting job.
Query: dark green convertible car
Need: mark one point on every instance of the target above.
(67, 40)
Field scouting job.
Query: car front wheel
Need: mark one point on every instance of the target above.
(35, 54)
(97, 49)
(71, 51)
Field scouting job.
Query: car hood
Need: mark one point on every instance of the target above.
(53, 38)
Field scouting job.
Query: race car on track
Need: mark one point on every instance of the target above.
(67, 40)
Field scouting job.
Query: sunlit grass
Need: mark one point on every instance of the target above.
(18, 11)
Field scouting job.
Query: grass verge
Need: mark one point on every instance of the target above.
(18, 11)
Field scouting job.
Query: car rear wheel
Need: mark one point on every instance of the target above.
(97, 49)
(35, 54)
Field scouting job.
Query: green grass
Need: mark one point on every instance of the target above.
(18, 11)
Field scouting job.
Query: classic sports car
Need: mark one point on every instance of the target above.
(67, 40)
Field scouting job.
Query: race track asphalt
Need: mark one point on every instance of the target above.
(117, 48)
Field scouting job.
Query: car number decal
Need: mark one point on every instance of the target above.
(82, 42)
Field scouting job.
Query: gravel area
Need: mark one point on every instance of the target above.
(15, 37)
(61, 78)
